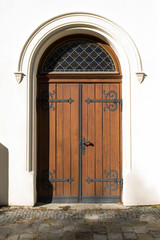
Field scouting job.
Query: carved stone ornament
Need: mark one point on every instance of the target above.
(19, 76)
(141, 76)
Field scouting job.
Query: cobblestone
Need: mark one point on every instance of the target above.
(129, 236)
(115, 236)
(136, 223)
(99, 237)
(13, 237)
(127, 229)
(141, 229)
(156, 234)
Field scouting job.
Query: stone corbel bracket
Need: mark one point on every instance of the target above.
(141, 76)
(19, 76)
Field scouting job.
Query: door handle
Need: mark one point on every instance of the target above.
(85, 144)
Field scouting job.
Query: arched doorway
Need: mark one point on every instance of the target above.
(79, 121)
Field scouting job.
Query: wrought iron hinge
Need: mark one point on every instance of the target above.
(121, 182)
(121, 105)
(47, 100)
(110, 100)
(111, 180)
(46, 180)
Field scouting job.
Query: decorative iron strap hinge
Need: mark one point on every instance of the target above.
(110, 100)
(47, 179)
(111, 178)
(47, 100)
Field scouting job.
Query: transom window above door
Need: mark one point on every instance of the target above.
(80, 55)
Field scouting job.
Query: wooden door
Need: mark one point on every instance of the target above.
(79, 142)
(58, 142)
(101, 126)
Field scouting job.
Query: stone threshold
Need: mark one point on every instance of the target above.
(81, 206)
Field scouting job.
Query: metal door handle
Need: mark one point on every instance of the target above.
(88, 143)
(85, 144)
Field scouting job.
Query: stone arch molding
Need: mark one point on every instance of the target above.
(73, 23)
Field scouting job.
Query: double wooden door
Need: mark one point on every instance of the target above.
(79, 142)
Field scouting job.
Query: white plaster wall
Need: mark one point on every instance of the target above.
(141, 19)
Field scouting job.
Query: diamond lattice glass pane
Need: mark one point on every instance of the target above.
(79, 56)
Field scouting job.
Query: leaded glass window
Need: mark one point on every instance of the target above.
(79, 55)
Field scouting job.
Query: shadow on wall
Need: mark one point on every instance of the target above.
(4, 175)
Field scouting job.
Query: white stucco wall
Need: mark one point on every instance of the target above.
(141, 19)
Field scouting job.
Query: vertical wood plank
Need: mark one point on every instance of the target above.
(91, 138)
(67, 138)
(114, 125)
(43, 155)
(74, 139)
(52, 138)
(106, 140)
(85, 135)
(59, 145)
(120, 137)
(98, 138)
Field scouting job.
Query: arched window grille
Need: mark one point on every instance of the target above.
(79, 55)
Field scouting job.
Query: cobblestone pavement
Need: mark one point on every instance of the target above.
(86, 224)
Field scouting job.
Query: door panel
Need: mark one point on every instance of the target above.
(100, 126)
(58, 142)
(64, 174)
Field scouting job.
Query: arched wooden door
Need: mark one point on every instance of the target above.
(79, 105)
